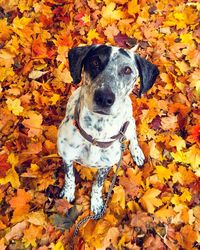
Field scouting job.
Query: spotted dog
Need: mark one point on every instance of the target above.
(99, 113)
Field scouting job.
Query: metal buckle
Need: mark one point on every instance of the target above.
(94, 142)
(123, 138)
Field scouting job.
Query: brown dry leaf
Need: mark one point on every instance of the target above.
(16, 231)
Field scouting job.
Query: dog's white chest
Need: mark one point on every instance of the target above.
(73, 147)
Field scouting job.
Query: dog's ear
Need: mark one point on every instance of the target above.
(148, 73)
(76, 57)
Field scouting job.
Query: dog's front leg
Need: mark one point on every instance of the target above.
(68, 189)
(134, 148)
(96, 194)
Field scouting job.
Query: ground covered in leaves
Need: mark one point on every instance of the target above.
(156, 207)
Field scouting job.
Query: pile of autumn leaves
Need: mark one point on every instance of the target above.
(156, 207)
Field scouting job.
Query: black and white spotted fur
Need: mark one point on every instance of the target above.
(104, 106)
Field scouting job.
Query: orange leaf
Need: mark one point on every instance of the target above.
(149, 200)
(20, 203)
(33, 124)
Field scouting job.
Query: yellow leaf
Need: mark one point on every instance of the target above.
(37, 218)
(186, 195)
(13, 159)
(86, 18)
(54, 99)
(165, 213)
(163, 173)
(110, 14)
(31, 234)
(133, 7)
(14, 106)
(154, 152)
(121, 242)
(25, 5)
(34, 167)
(119, 196)
(20, 23)
(5, 73)
(92, 34)
(12, 177)
(179, 156)
(149, 200)
(178, 142)
(182, 66)
(193, 157)
(58, 246)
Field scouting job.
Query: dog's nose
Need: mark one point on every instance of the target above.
(104, 97)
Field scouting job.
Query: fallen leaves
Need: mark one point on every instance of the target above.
(150, 208)
(150, 201)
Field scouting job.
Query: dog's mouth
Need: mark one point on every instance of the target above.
(101, 112)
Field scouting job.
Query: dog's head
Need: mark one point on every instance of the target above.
(109, 75)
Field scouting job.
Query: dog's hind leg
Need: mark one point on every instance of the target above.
(96, 194)
(68, 189)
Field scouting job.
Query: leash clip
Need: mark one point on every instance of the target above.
(94, 142)
(122, 139)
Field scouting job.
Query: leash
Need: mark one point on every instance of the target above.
(100, 215)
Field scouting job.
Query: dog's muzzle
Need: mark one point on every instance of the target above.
(104, 97)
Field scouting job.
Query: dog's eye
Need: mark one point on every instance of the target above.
(95, 62)
(126, 70)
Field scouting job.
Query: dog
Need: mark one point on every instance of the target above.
(99, 113)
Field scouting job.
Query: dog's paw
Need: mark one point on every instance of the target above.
(97, 205)
(138, 155)
(67, 193)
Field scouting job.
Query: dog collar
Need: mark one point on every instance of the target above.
(120, 136)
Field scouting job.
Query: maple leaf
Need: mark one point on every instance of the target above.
(54, 99)
(16, 231)
(20, 203)
(169, 123)
(149, 200)
(92, 34)
(163, 173)
(154, 151)
(195, 134)
(5, 73)
(133, 7)
(111, 32)
(109, 13)
(189, 236)
(58, 246)
(118, 197)
(12, 178)
(177, 142)
(39, 50)
(141, 220)
(193, 158)
(14, 106)
(4, 165)
(31, 234)
(33, 124)
(37, 218)
(111, 237)
(6, 58)
(165, 213)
